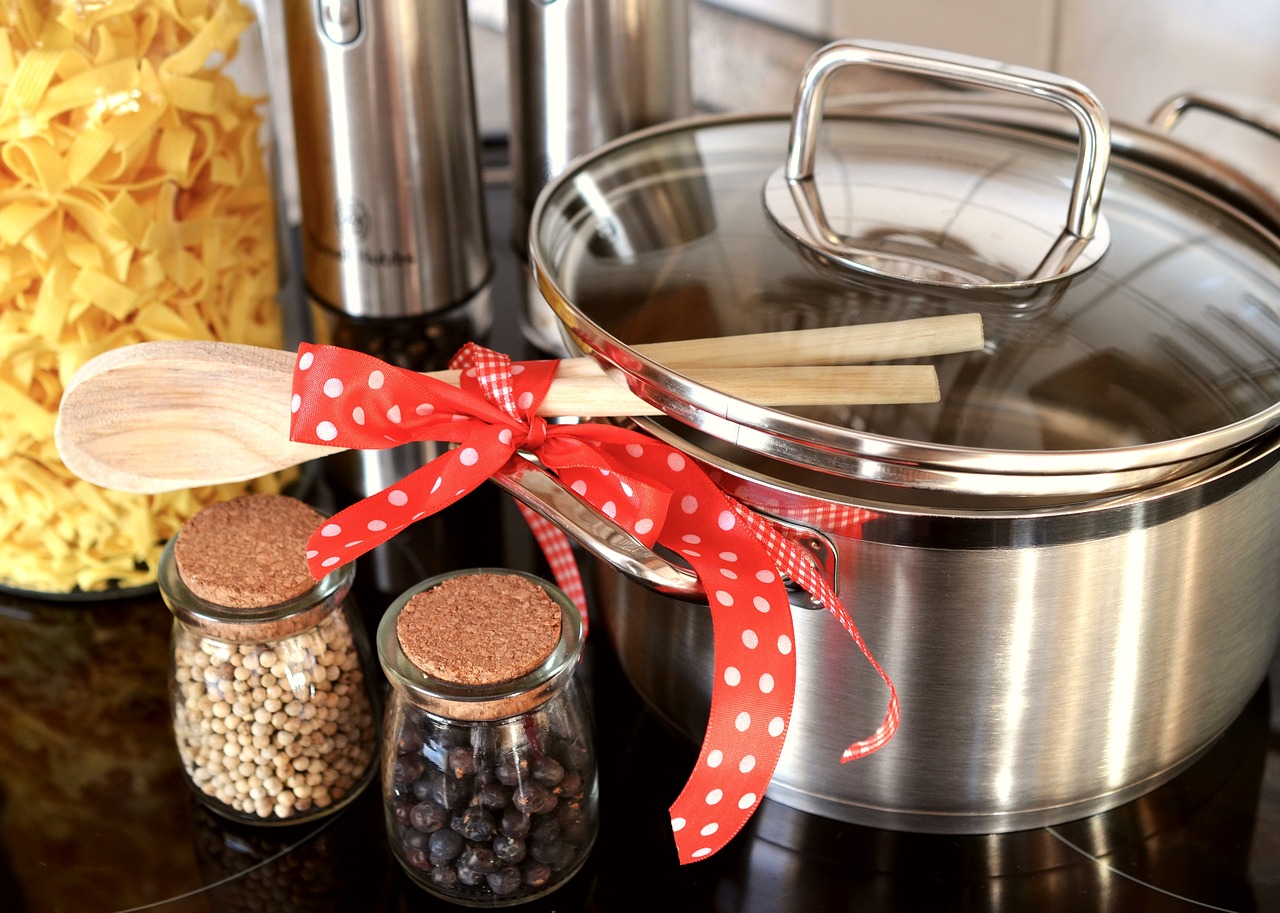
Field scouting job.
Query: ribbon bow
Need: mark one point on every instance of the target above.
(349, 399)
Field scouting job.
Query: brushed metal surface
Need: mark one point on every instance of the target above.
(1050, 664)
(584, 72)
(393, 217)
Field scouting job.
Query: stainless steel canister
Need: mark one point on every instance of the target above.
(388, 155)
(394, 241)
(584, 72)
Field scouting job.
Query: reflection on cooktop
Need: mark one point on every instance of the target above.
(1209, 839)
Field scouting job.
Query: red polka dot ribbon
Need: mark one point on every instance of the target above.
(348, 399)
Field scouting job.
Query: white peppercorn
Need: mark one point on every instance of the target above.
(273, 710)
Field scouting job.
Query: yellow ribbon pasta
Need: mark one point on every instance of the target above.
(135, 204)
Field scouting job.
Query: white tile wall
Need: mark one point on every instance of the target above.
(806, 16)
(1137, 53)
(1013, 31)
(1134, 54)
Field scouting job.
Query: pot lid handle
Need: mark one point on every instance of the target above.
(793, 199)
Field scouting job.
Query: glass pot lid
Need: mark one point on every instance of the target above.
(1115, 356)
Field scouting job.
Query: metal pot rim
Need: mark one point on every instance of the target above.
(878, 458)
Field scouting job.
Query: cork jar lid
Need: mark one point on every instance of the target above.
(480, 644)
(239, 568)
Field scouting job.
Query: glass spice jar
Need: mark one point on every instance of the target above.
(273, 708)
(489, 771)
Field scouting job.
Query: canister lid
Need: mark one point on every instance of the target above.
(1143, 363)
(248, 552)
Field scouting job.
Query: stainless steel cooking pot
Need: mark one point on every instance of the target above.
(1068, 565)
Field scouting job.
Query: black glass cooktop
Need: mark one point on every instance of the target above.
(96, 818)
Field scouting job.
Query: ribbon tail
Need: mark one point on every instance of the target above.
(893, 713)
(746, 729)
(755, 670)
(795, 566)
(368, 523)
(558, 551)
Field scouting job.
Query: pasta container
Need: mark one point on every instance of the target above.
(137, 202)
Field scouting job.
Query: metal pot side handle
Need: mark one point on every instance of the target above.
(536, 488)
(1251, 112)
(539, 490)
(1084, 232)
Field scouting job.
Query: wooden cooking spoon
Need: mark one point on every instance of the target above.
(162, 416)
(169, 415)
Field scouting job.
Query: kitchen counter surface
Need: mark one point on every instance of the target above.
(95, 816)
